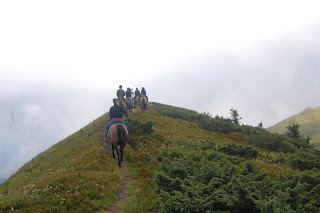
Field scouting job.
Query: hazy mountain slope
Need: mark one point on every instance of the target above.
(309, 120)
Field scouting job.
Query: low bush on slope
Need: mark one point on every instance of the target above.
(194, 179)
(220, 174)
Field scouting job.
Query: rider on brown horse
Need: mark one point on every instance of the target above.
(137, 96)
(144, 92)
(120, 93)
(137, 93)
(116, 114)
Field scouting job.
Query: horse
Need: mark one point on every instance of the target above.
(118, 135)
(123, 103)
(136, 101)
(130, 103)
(143, 102)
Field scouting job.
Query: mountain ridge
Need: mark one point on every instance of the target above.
(309, 121)
(178, 149)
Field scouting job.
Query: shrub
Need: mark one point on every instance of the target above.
(137, 127)
(216, 182)
(306, 161)
(240, 150)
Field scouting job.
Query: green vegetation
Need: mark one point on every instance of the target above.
(194, 179)
(309, 121)
(186, 162)
(73, 175)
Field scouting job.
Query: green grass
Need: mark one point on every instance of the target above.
(77, 175)
(73, 175)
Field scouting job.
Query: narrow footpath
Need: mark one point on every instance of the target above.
(124, 182)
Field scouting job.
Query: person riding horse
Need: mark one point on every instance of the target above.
(137, 96)
(120, 94)
(144, 99)
(129, 100)
(116, 115)
(144, 92)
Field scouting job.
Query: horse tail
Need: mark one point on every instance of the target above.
(122, 131)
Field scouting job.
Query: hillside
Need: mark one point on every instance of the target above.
(186, 162)
(2, 180)
(309, 120)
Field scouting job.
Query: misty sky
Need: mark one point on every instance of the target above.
(61, 63)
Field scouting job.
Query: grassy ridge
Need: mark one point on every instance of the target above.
(77, 175)
(309, 120)
(73, 175)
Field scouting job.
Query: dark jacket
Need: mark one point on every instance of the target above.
(128, 93)
(137, 93)
(117, 111)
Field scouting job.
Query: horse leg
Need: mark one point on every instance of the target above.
(114, 157)
(121, 151)
(119, 158)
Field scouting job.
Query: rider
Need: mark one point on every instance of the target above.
(120, 93)
(144, 93)
(137, 93)
(116, 113)
(128, 93)
(129, 100)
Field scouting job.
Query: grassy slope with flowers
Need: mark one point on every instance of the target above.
(74, 175)
(77, 175)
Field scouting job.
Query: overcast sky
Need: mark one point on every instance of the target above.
(62, 61)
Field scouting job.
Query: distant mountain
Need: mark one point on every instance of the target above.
(309, 120)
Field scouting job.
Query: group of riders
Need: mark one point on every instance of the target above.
(128, 102)
(121, 104)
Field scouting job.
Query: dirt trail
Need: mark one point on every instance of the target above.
(124, 182)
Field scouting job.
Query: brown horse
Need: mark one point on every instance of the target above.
(143, 102)
(118, 135)
(136, 101)
(123, 103)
